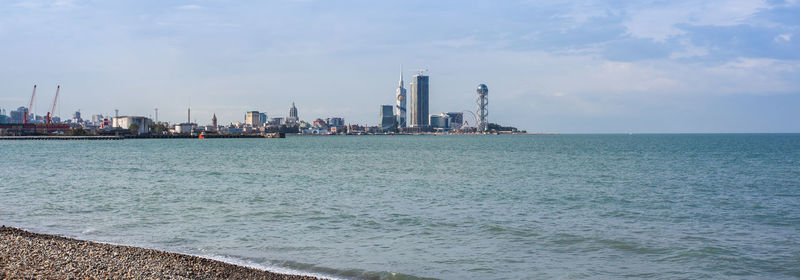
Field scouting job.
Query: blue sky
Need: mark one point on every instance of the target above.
(551, 66)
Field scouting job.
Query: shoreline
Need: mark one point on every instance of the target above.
(25, 254)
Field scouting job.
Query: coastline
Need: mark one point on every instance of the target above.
(25, 254)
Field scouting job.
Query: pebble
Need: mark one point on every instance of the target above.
(27, 255)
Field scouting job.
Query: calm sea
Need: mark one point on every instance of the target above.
(448, 207)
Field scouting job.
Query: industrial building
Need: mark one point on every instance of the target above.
(125, 122)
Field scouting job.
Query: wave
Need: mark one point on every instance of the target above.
(297, 268)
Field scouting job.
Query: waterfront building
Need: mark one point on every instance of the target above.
(125, 122)
(3, 117)
(263, 118)
(400, 107)
(320, 123)
(214, 120)
(76, 117)
(292, 119)
(276, 121)
(18, 115)
(184, 128)
(456, 120)
(335, 121)
(439, 121)
(419, 101)
(252, 118)
(388, 120)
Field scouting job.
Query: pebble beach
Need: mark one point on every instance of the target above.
(28, 255)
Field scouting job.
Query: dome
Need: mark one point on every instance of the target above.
(483, 89)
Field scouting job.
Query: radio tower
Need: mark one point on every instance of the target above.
(483, 108)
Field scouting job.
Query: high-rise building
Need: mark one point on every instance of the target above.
(400, 108)
(18, 115)
(388, 120)
(3, 117)
(252, 118)
(292, 115)
(419, 101)
(76, 117)
(214, 120)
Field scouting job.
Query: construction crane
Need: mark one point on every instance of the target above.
(53, 110)
(30, 106)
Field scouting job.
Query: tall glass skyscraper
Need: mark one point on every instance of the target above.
(388, 120)
(419, 101)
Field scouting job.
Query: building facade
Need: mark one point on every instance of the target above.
(456, 119)
(400, 107)
(18, 115)
(419, 101)
(388, 120)
(439, 121)
(125, 122)
(252, 118)
(292, 119)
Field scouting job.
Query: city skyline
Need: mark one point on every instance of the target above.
(564, 67)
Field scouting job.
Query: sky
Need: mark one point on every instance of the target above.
(551, 66)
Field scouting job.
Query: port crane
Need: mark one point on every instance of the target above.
(30, 106)
(53, 110)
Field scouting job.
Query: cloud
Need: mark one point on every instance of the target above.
(190, 7)
(661, 22)
(36, 4)
(786, 37)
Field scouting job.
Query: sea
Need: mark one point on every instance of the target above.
(612, 206)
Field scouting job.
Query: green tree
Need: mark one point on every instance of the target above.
(78, 131)
(134, 128)
(158, 126)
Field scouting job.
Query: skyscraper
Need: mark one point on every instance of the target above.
(214, 120)
(419, 101)
(400, 108)
(292, 115)
(388, 120)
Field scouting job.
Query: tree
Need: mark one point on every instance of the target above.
(134, 128)
(497, 127)
(159, 126)
(78, 131)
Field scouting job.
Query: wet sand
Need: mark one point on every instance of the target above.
(30, 255)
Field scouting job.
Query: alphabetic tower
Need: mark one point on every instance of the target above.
(483, 108)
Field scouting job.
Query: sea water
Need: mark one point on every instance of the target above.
(450, 207)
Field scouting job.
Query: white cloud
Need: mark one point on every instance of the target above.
(190, 7)
(661, 22)
(783, 37)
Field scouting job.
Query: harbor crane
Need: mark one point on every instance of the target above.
(30, 106)
(53, 110)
